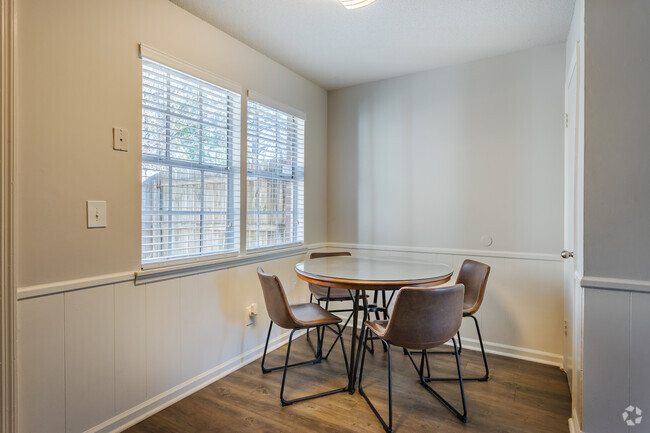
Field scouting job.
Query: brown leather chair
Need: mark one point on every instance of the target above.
(474, 276)
(423, 318)
(296, 317)
(327, 294)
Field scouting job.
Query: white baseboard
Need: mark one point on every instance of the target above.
(516, 352)
(522, 353)
(147, 408)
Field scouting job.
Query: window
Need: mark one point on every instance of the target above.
(275, 181)
(190, 165)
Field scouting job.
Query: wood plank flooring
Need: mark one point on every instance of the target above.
(520, 397)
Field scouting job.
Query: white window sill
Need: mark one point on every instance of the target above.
(152, 274)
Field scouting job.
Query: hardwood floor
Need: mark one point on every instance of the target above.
(520, 397)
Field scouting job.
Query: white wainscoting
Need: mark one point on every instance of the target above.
(616, 357)
(105, 357)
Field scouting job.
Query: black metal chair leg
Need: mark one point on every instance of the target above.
(460, 383)
(266, 345)
(483, 378)
(424, 380)
(387, 427)
(287, 366)
(345, 325)
(345, 358)
(426, 358)
(284, 373)
(485, 363)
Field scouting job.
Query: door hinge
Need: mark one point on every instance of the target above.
(566, 120)
(566, 328)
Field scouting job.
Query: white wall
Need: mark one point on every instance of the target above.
(617, 197)
(110, 351)
(617, 205)
(427, 164)
(444, 157)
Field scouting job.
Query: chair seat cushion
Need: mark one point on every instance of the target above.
(378, 327)
(313, 315)
(320, 293)
(470, 308)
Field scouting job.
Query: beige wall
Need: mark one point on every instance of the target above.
(444, 157)
(79, 75)
(99, 352)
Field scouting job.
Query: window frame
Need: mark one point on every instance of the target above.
(298, 176)
(233, 209)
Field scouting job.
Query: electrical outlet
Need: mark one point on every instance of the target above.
(251, 312)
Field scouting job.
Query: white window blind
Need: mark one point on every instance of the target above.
(190, 165)
(275, 177)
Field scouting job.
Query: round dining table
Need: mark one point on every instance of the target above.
(361, 274)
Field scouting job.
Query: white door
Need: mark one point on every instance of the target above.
(570, 221)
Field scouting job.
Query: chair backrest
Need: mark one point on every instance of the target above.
(425, 317)
(332, 254)
(474, 276)
(276, 300)
(314, 287)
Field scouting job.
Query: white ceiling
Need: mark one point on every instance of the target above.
(335, 47)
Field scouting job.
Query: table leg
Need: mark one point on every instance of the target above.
(355, 355)
(353, 358)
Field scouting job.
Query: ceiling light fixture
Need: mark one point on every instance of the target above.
(356, 4)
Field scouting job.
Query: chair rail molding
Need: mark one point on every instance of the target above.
(154, 275)
(449, 251)
(622, 284)
(8, 292)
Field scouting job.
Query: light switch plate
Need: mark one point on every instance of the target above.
(120, 139)
(96, 214)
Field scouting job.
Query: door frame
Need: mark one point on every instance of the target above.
(7, 244)
(570, 211)
(576, 292)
